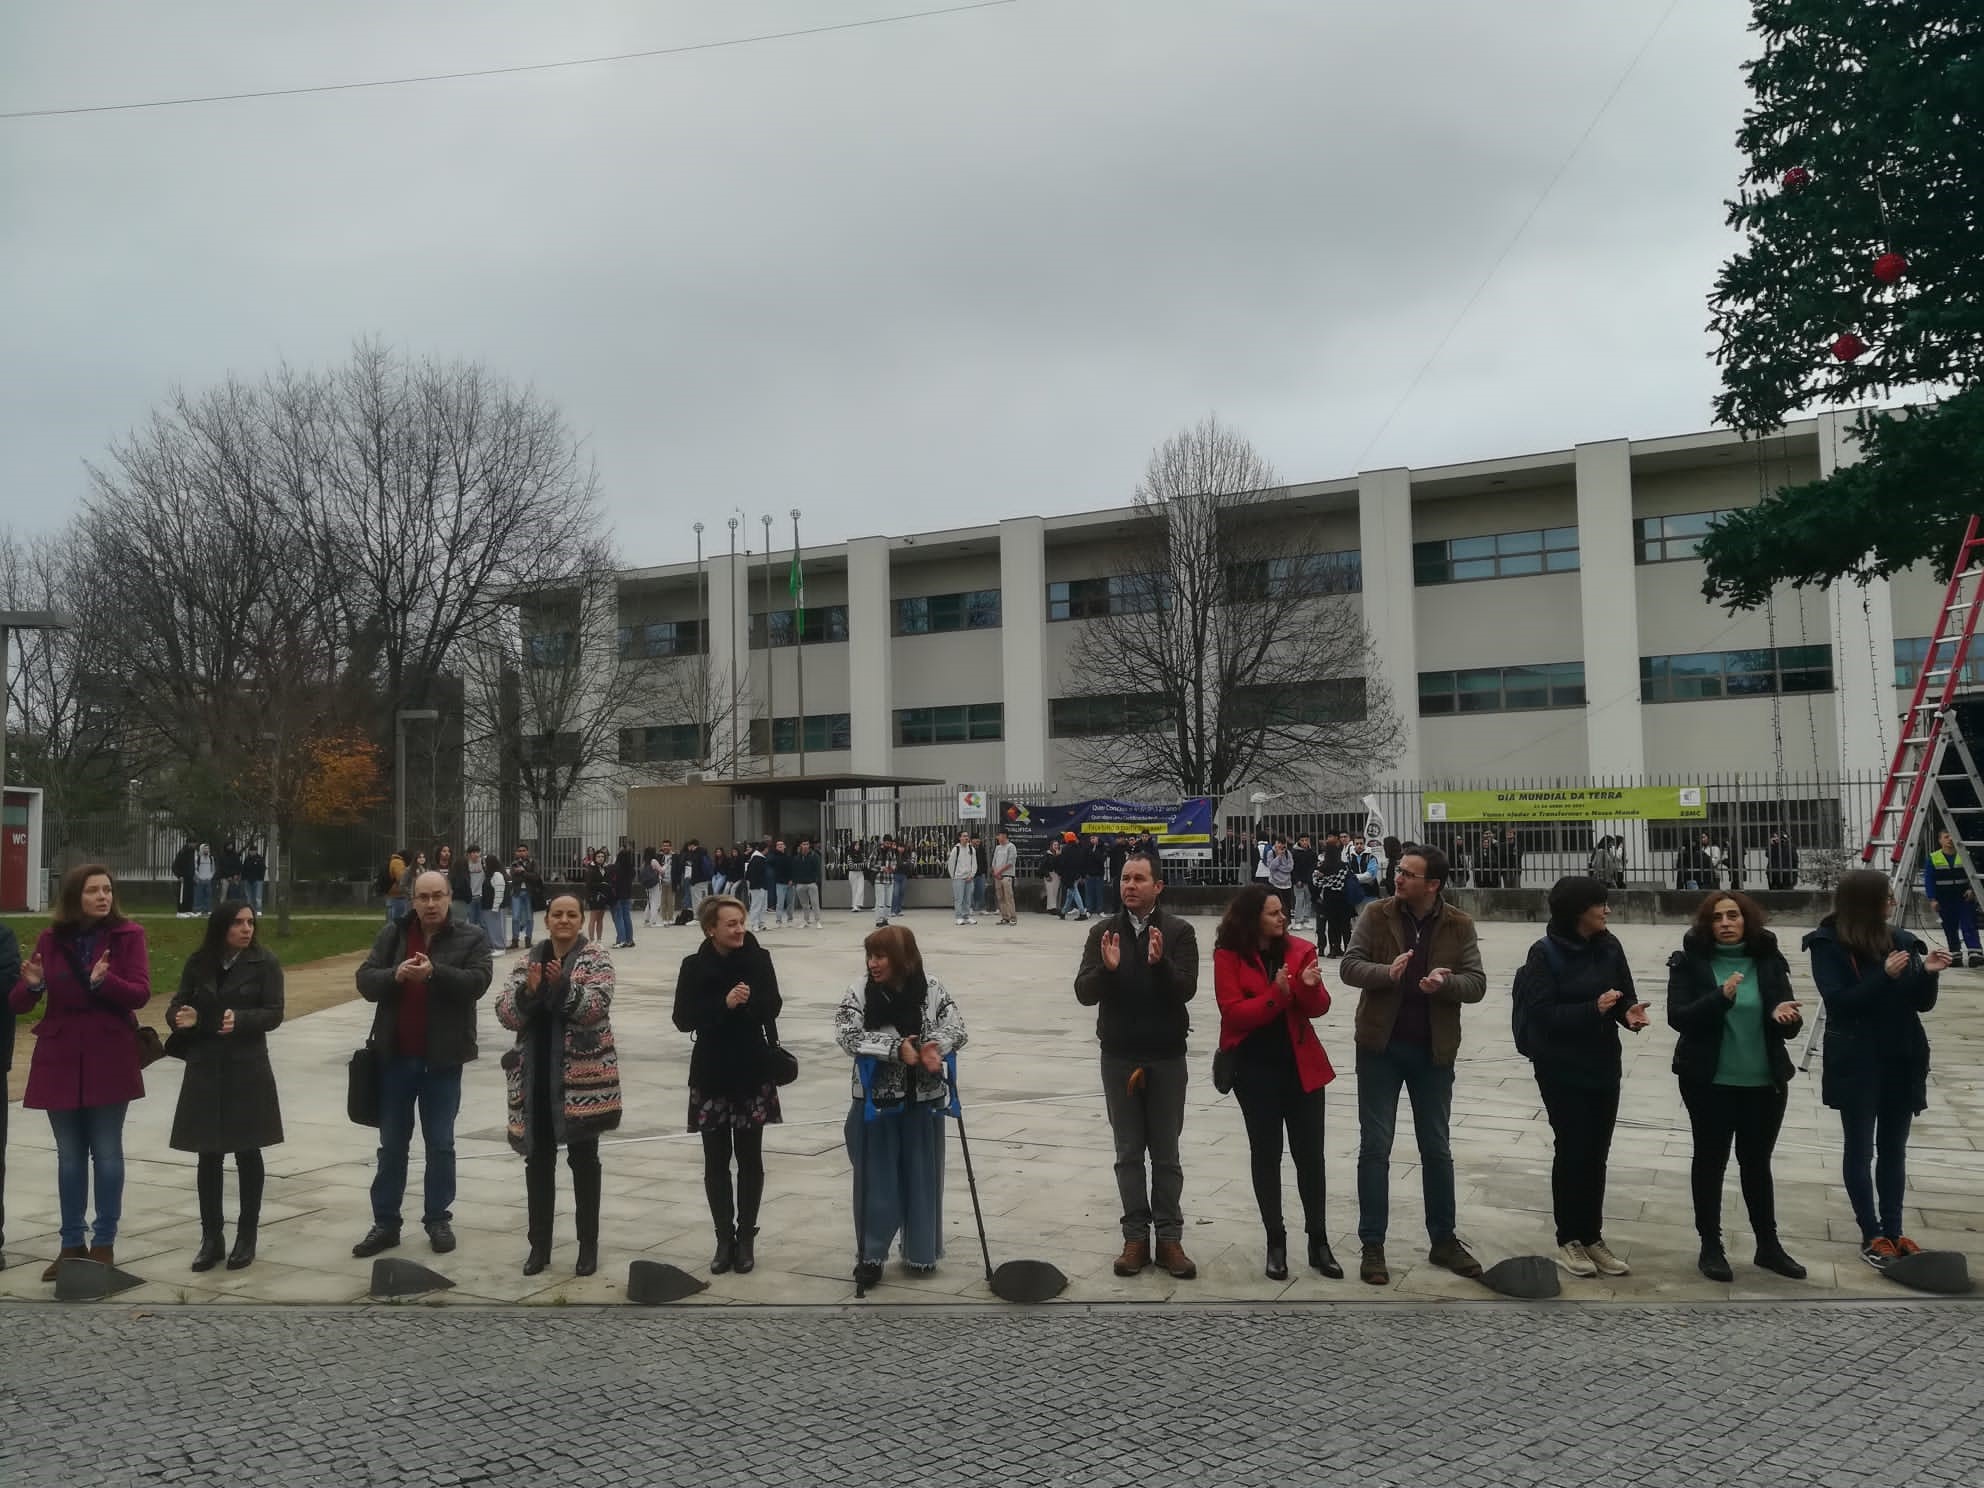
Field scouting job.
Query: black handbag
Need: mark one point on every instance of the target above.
(361, 1099)
(1223, 1061)
(781, 1064)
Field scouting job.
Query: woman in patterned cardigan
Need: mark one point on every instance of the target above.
(562, 1073)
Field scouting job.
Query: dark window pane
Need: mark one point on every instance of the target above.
(1474, 568)
(1471, 547)
(1561, 562)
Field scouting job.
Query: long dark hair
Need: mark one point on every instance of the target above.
(1860, 914)
(1240, 927)
(213, 945)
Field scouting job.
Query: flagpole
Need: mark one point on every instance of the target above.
(799, 635)
(771, 684)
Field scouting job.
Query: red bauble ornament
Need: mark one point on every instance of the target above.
(1848, 346)
(1890, 267)
(1796, 178)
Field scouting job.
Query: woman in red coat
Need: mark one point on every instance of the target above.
(92, 964)
(1270, 988)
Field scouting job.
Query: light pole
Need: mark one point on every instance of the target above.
(798, 587)
(399, 768)
(703, 648)
(771, 684)
(731, 600)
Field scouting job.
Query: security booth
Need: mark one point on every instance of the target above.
(23, 886)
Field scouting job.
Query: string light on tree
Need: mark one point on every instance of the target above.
(1796, 179)
(1848, 347)
(1889, 267)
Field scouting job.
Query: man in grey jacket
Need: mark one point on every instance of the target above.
(1005, 863)
(424, 975)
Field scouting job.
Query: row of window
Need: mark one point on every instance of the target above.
(1910, 654)
(962, 724)
(1502, 689)
(1283, 705)
(663, 743)
(1754, 673)
(1502, 555)
(822, 731)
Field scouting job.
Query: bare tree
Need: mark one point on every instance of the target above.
(1225, 645)
(693, 692)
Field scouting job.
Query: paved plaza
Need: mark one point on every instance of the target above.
(1399, 1396)
(1040, 1141)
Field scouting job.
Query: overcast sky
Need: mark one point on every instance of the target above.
(930, 273)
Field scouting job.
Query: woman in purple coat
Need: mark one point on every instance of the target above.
(92, 964)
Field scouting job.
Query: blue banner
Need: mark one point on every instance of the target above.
(1182, 829)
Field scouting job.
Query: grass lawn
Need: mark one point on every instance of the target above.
(172, 940)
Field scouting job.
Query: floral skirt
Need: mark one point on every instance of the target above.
(709, 1112)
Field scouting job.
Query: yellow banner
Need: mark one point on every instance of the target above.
(1582, 803)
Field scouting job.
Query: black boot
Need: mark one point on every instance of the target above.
(243, 1254)
(1771, 1256)
(539, 1257)
(726, 1251)
(1277, 1267)
(1323, 1259)
(213, 1246)
(745, 1256)
(584, 1164)
(588, 1261)
(1714, 1261)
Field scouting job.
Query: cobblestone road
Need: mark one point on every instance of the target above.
(1819, 1393)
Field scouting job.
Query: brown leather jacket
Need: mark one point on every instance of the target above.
(1378, 940)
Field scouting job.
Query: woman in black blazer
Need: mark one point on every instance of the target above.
(727, 995)
(228, 1002)
(1729, 998)
(1877, 982)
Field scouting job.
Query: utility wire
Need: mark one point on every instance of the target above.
(484, 72)
(1516, 237)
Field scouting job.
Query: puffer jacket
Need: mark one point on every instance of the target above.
(1874, 1032)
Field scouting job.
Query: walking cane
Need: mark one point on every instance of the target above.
(1015, 1281)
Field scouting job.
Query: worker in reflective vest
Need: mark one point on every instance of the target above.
(1945, 880)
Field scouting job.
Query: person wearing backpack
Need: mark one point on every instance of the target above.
(651, 886)
(1572, 996)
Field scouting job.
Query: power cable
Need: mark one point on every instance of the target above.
(484, 72)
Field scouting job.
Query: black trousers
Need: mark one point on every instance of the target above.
(1271, 1101)
(248, 1167)
(1581, 1118)
(3, 1160)
(1338, 917)
(1750, 1116)
(541, 1186)
(748, 1145)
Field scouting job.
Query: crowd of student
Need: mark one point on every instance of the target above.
(1412, 956)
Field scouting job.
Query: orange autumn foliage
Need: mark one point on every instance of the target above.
(342, 782)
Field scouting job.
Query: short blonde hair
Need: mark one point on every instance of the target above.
(715, 905)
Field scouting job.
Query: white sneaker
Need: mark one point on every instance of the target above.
(957, 922)
(1573, 1258)
(973, 920)
(1607, 1263)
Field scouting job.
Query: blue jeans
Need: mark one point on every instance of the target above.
(1092, 892)
(1876, 1130)
(89, 1137)
(407, 1081)
(784, 902)
(898, 1163)
(522, 925)
(203, 895)
(1430, 1087)
(1071, 898)
(623, 921)
(255, 894)
(1304, 908)
(396, 910)
(895, 893)
(496, 924)
(961, 897)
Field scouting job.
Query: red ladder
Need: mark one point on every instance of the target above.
(1923, 728)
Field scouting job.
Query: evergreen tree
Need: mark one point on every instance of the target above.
(1863, 275)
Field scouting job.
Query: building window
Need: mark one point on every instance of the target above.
(824, 624)
(541, 750)
(1671, 539)
(973, 609)
(663, 744)
(1719, 674)
(662, 638)
(1515, 689)
(1505, 555)
(549, 648)
(965, 723)
(1296, 576)
(1110, 713)
(824, 731)
(1119, 594)
(1300, 704)
(1909, 655)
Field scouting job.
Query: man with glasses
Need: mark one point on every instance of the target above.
(424, 975)
(1416, 959)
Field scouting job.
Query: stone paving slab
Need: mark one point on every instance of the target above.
(1041, 1146)
(1387, 1396)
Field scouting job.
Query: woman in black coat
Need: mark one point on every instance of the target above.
(1729, 998)
(229, 999)
(1877, 982)
(726, 994)
(1572, 997)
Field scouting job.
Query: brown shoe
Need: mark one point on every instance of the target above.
(1135, 1256)
(66, 1253)
(101, 1255)
(1171, 1257)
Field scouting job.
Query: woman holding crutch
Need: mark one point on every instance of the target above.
(897, 1024)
